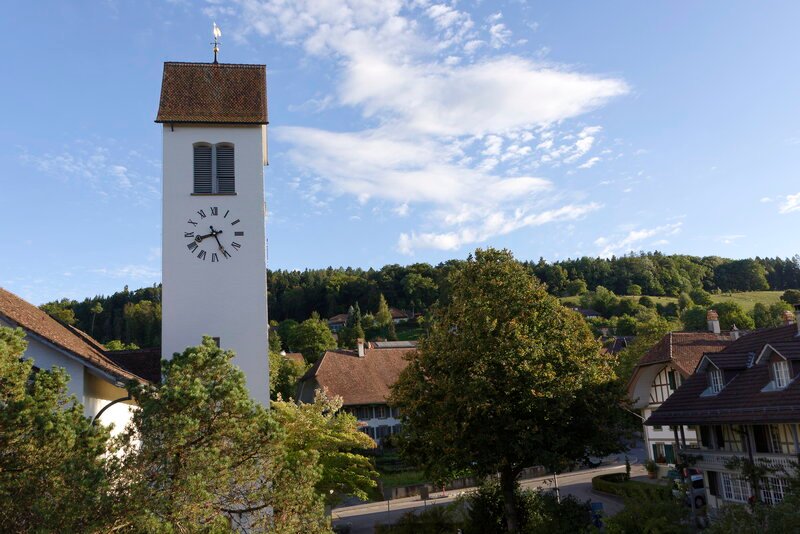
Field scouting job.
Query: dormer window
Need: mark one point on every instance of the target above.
(214, 172)
(715, 380)
(780, 373)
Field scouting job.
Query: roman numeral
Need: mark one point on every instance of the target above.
(192, 246)
(192, 222)
(202, 255)
(188, 234)
(239, 234)
(214, 210)
(235, 222)
(201, 213)
(214, 257)
(236, 245)
(225, 253)
(226, 214)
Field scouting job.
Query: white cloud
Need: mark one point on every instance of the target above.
(447, 127)
(790, 204)
(129, 272)
(610, 246)
(98, 168)
(589, 163)
(493, 225)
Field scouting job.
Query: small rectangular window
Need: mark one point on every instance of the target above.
(671, 378)
(202, 169)
(225, 169)
(715, 380)
(780, 371)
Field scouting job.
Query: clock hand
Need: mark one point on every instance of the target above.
(201, 237)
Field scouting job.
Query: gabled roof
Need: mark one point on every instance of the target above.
(744, 398)
(398, 314)
(218, 93)
(359, 380)
(80, 345)
(338, 319)
(684, 349)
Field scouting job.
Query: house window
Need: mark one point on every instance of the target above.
(381, 412)
(780, 372)
(396, 429)
(214, 171)
(364, 413)
(773, 489)
(672, 382)
(734, 488)
(715, 380)
(383, 431)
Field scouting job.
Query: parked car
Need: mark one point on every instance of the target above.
(696, 491)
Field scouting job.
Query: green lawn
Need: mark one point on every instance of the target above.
(402, 478)
(408, 334)
(746, 299)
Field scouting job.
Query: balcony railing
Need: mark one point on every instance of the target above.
(717, 460)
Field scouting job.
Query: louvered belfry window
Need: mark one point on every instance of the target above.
(214, 169)
(202, 169)
(225, 175)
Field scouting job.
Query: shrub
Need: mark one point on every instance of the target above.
(434, 520)
(616, 484)
(792, 296)
(538, 512)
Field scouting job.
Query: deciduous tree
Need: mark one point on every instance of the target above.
(506, 378)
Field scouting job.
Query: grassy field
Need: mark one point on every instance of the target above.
(746, 300)
(402, 478)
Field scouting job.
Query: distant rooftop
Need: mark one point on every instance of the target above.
(218, 93)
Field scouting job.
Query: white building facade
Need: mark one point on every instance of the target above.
(214, 244)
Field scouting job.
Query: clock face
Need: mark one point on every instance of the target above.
(213, 235)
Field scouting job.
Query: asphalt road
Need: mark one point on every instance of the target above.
(363, 518)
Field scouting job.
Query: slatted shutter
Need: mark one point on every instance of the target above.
(202, 169)
(226, 182)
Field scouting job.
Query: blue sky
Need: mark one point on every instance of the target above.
(410, 131)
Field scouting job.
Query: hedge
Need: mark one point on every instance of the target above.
(617, 484)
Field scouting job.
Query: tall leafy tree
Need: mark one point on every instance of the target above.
(312, 338)
(506, 378)
(53, 468)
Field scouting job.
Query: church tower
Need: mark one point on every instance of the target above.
(214, 119)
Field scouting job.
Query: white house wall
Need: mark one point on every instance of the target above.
(226, 299)
(98, 393)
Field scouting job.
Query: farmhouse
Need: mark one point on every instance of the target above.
(97, 379)
(660, 373)
(742, 402)
(363, 379)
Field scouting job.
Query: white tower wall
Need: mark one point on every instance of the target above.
(228, 298)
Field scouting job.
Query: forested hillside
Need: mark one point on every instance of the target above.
(135, 316)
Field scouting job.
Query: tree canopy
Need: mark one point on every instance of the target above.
(506, 378)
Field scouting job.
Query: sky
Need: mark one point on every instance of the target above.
(405, 132)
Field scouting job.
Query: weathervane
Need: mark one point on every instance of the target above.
(217, 35)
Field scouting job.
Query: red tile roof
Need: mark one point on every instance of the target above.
(684, 349)
(338, 319)
(742, 399)
(220, 93)
(142, 362)
(18, 312)
(357, 380)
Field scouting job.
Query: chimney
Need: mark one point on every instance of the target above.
(713, 321)
(797, 316)
(360, 347)
(735, 333)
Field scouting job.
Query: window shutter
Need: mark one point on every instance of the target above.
(202, 169)
(225, 173)
(712, 483)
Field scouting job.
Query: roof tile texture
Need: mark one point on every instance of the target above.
(684, 349)
(366, 380)
(218, 93)
(741, 399)
(34, 320)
